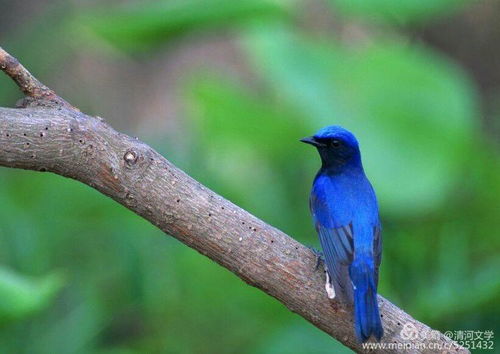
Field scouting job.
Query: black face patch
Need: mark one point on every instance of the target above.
(335, 143)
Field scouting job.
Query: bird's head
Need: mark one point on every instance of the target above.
(336, 146)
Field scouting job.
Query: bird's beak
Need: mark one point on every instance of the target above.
(312, 141)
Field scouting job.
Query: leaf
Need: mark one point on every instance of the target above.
(22, 296)
(142, 26)
(397, 11)
(227, 113)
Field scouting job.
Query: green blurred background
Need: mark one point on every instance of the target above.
(224, 89)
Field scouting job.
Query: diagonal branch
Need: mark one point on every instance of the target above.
(72, 144)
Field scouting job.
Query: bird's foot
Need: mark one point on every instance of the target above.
(319, 257)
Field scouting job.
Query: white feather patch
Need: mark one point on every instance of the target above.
(330, 291)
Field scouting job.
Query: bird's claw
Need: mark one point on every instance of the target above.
(320, 258)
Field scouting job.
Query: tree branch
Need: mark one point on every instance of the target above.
(72, 144)
(34, 90)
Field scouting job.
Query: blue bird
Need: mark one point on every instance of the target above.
(345, 213)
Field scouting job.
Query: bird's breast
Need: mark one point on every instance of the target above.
(339, 200)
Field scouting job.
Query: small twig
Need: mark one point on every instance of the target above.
(29, 85)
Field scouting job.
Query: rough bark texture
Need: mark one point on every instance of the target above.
(51, 135)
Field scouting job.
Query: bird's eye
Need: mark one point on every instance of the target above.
(335, 143)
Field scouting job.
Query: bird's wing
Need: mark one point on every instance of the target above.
(337, 244)
(338, 249)
(377, 249)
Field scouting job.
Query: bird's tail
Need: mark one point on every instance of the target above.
(366, 315)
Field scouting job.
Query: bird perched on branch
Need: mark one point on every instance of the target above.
(345, 213)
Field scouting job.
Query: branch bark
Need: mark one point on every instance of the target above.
(62, 140)
(34, 90)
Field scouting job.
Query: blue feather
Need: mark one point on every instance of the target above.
(345, 214)
(366, 315)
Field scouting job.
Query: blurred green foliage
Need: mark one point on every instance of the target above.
(395, 11)
(142, 27)
(397, 98)
(129, 289)
(19, 296)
